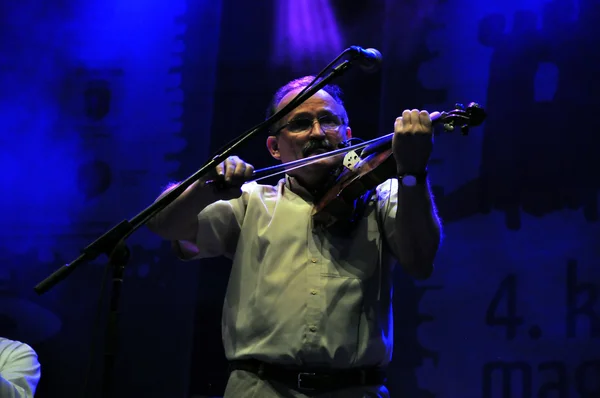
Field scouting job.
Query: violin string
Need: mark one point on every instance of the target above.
(293, 165)
(289, 166)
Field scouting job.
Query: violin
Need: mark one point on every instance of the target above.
(364, 172)
(376, 164)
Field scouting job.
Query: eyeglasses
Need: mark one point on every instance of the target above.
(328, 123)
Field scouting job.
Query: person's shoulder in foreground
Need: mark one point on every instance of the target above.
(19, 369)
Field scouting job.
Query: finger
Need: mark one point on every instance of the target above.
(239, 170)
(403, 122)
(398, 125)
(425, 120)
(414, 120)
(220, 168)
(249, 171)
(230, 165)
(406, 122)
(434, 116)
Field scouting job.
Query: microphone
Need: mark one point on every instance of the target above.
(369, 59)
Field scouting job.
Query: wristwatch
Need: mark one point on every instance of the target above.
(410, 180)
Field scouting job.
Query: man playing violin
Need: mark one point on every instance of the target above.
(307, 311)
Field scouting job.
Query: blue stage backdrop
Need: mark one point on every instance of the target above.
(103, 103)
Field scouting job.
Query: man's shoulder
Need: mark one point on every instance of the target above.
(13, 347)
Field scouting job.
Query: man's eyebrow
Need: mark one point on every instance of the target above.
(306, 114)
(301, 115)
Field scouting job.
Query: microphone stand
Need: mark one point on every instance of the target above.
(112, 243)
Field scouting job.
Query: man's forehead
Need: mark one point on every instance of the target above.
(319, 99)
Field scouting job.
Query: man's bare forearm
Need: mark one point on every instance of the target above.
(418, 230)
(179, 220)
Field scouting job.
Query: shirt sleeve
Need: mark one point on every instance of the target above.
(387, 204)
(20, 374)
(219, 227)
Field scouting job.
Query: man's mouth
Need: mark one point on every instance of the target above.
(316, 148)
(315, 152)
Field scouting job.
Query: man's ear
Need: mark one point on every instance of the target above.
(348, 132)
(273, 147)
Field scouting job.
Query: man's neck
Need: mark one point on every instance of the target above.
(316, 187)
(300, 186)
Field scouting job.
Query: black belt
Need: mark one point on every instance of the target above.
(312, 379)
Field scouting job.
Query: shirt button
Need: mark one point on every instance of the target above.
(313, 260)
(313, 292)
(313, 328)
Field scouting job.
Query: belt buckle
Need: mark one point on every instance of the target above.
(300, 387)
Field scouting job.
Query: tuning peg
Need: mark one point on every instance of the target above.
(464, 129)
(448, 127)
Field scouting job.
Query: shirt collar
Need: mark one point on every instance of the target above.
(291, 183)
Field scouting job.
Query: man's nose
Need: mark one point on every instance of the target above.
(316, 130)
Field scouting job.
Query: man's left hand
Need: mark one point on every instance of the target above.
(413, 141)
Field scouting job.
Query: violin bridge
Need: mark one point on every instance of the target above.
(351, 159)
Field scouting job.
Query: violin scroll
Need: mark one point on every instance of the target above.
(466, 117)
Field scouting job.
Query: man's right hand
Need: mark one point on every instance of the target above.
(230, 175)
(179, 220)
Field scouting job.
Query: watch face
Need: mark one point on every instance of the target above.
(409, 180)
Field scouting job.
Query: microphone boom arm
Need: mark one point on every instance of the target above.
(106, 243)
(112, 243)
